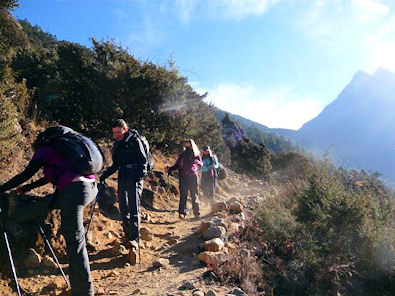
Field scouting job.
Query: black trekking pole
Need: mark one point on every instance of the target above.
(10, 255)
(138, 235)
(52, 252)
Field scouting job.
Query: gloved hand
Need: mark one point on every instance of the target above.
(168, 171)
(20, 190)
(102, 179)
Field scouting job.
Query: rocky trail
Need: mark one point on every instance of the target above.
(175, 253)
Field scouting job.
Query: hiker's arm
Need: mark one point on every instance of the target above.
(112, 169)
(141, 160)
(35, 184)
(198, 161)
(215, 161)
(30, 170)
(175, 166)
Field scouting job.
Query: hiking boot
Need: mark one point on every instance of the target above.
(197, 216)
(181, 216)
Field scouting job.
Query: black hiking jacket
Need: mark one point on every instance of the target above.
(127, 159)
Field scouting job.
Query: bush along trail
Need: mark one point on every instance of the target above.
(177, 256)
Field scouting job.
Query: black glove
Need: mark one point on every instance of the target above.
(102, 179)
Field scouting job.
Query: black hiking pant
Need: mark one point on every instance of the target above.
(189, 184)
(71, 201)
(208, 187)
(129, 193)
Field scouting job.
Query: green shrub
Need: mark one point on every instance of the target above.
(329, 238)
(13, 97)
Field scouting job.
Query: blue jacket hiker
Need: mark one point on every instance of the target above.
(209, 174)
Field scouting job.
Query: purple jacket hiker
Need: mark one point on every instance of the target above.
(188, 167)
(73, 193)
(54, 164)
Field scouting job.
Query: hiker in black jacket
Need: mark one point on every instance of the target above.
(130, 162)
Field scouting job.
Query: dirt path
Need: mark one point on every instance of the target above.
(172, 239)
(132, 280)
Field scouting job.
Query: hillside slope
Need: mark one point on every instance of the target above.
(357, 127)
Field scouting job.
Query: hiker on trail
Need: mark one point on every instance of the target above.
(188, 164)
(209, 174)
(129, 159)
(73, 192)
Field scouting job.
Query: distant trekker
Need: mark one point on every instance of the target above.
(131, 161)
(60, 151)
(188, 164)
(209, 174)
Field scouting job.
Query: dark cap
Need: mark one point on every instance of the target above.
(206, 147)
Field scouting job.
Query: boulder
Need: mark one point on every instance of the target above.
(210, 257)
(188, 285)
(211, 293)
(132, 257)
(219, 207)
(214, 245)
(204, 226)
(233, 228)
(49, 262)
(219, 222)
(233, 199)
(161, 262)
(146, 234)
(33, 259)
(214, 232)
(198, 293)
(148, 198)
(235, 207)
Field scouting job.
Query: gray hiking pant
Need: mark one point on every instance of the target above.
(71, 201)
(208, 186)
(188, 184)
(129, 193)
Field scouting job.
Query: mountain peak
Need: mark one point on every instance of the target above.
(359, 77)
(383, 73)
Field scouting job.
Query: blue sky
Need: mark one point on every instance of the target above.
(277, 62)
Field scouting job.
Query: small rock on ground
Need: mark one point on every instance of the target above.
(198, 293)
(161, 262)
(211, 293)
(188, 285)
(238, 292)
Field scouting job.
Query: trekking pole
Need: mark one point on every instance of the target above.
(138, 227)
(52, 252)
(10, 256)
(169, 196)
(93, 209)
(138, 243)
